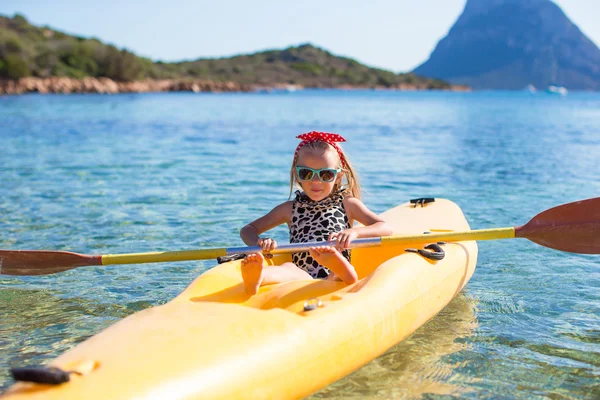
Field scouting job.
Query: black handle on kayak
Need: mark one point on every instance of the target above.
(422, 201)
(436, 254)
(47, 375)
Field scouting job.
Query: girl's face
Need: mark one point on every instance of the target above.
(318, 159)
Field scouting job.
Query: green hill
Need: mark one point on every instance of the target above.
(28, 50)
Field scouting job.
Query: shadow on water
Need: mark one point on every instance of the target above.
(419, 365)
(39, 325)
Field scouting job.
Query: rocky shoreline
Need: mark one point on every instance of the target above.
(64, 85)
(105, 85)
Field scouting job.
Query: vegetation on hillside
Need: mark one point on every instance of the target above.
(28, 50)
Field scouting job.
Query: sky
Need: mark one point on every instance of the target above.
(397, 35)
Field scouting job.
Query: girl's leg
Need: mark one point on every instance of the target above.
(255, 274)
(285, 272)
(331, 258)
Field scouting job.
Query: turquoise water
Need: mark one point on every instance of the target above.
(100, 174)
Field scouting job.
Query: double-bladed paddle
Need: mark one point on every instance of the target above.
(572, 227)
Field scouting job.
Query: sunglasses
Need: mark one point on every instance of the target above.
(324, 174)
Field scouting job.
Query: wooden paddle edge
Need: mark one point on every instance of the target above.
(43, 262)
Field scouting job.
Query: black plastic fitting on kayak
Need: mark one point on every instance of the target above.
(233, 257)
(436, 254)
(422, 201)
(47, 375)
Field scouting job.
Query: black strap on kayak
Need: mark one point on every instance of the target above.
(436, 254)
(47, 375)
(422, 201)
(233, 257)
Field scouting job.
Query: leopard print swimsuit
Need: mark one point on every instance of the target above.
(313, 221)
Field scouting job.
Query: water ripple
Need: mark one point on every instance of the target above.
(131, 173)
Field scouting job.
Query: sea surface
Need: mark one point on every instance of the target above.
(100, 174)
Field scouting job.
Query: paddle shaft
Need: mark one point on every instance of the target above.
(572, 227)
(207, 254)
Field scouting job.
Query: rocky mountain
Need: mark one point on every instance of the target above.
(509, 44)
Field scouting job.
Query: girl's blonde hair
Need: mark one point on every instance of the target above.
(351, 186)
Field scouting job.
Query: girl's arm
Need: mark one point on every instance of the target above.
(374, 226)
(277, 216)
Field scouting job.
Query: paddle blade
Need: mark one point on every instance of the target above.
(40, 262)
(572, 227)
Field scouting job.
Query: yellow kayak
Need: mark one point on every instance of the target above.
(291, 339)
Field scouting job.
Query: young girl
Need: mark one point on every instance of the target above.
(324, 211)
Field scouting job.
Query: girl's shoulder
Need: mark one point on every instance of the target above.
(285, 207)
(281, 213)
(350, 200)
(354, 206)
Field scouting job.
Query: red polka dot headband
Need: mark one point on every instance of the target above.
(329, 138)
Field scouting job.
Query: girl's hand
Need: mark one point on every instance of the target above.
(267, 244)
(343, 238)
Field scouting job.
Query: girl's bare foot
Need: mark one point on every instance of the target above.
(331, 258)
(252, 272)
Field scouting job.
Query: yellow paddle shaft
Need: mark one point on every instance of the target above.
(481, 234)
(163, 256)
(210, 254)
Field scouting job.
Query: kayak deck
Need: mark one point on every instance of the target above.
(215, 341)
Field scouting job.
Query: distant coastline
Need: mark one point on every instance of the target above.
(43, 60)
(65, 85)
